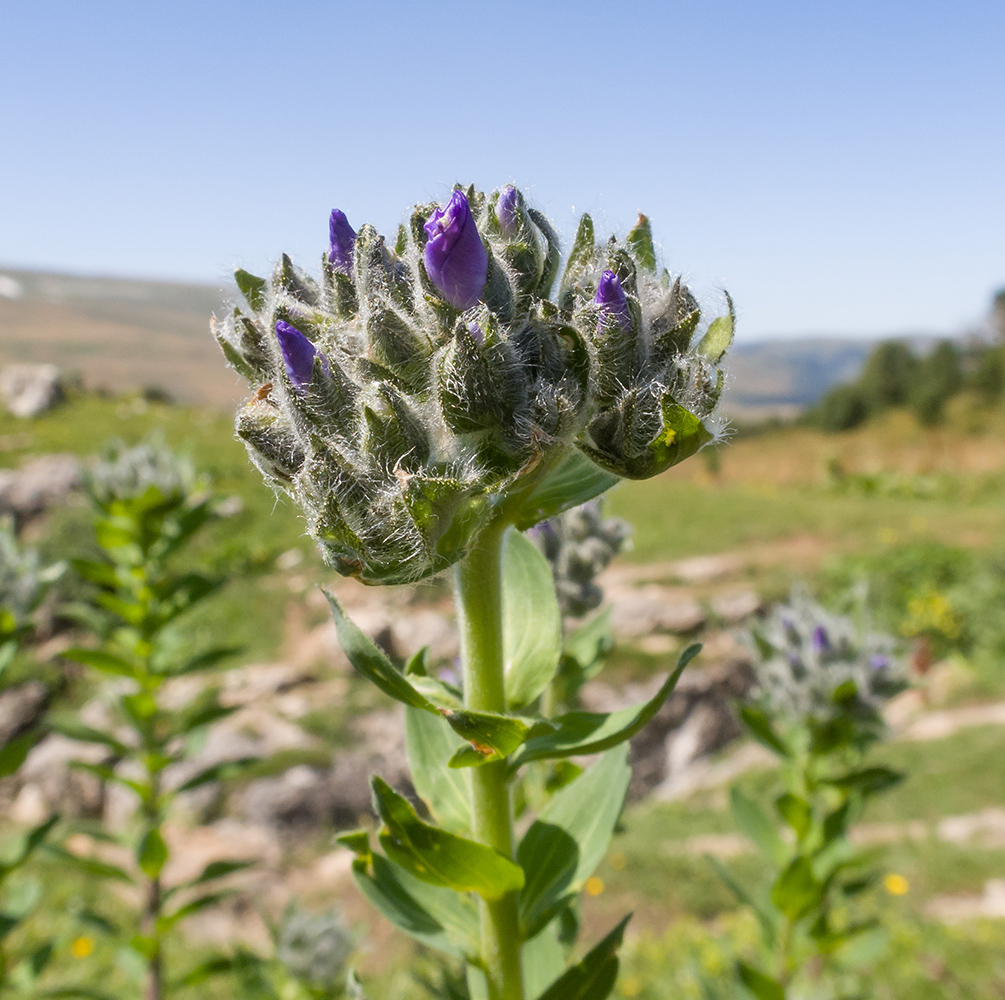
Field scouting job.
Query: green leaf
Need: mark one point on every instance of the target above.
(252, 288)
(797, 890)
(438, 857)
(763, 987)
(796, 811)
(204, 661)
(372, 662)
(566, 842)
(491, 736)
(430, 743)
(102, 661)
(532, 622)
(212, 871)
(640, 239)
(90, 866)
(226, 770)
(590, 642)
(765, 917)
(868, 781)
(719, 336)
(72, 728)
(543, 960)
(592, 978)
(581, 733)
(169, 920)
(440, 918)
(152, 853)
(757, 723)
(573, 481)
(755, 824)
(12, 754)
(682, 436)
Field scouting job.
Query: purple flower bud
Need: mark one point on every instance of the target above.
(612, 301)
(508, 210)
(879, 662)
(821, 641)
(455, 257)
(343, 241)
(477, 333)
(298, 354)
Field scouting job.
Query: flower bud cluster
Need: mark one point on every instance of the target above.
(579, 545)
(23, 580)
(122, 472)
(415, 386)
(314, 947)
(805, 655)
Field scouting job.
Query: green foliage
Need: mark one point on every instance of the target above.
(821, 683)
(147, 511)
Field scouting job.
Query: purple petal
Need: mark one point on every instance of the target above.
(821, 641)
(455, 257)
(342, 240)
(508, 210)
(298, 354)
(612, 301)
(879, 662)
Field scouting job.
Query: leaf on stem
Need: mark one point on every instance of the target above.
(757, 723)
(566, 842)
(757, 826)
(532, 622)
(580, 733)
(763, 987)
(430, 743)
(438, 857)
(437, 917)
(592, 978)
(573, 481)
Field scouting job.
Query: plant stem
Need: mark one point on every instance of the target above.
(478, 594)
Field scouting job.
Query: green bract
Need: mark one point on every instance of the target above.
(419, 421)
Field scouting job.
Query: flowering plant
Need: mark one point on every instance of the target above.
(822, 680)
(423, 402)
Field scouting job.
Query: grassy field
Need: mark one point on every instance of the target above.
(788, 503)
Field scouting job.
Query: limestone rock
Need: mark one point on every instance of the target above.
(28, 390)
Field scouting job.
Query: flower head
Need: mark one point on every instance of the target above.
(508, 210)
(612, 301)
(455, 257)
(298, 354)
(342, 241)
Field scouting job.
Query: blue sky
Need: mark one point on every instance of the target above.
(839, 167)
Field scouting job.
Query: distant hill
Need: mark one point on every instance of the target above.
(119, 334)
(124, 334)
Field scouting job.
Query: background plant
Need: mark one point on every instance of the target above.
(148, 506)
(822, 680)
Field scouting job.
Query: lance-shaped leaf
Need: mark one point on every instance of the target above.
(532, 622)
(573, 481)
(757, 723)
(754, 822)
(580, 733)
(566, 842)
(440, 858)
(761, 986)
(592, 978)
(491, 736)
(430, 744)
(372, 662)
(439, 918)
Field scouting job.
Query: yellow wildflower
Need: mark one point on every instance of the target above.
(896, 885)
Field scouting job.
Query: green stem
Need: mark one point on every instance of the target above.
(478, 591)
